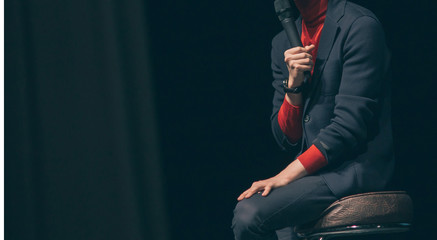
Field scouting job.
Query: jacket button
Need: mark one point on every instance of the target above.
(306, 118)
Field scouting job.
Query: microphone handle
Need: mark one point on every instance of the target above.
(294, 38)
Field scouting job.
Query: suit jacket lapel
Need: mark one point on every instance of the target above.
(299, 25)
(327, 38)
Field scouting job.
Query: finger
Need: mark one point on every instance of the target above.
(295, 50)
(309, 48)
(241, 197)
(253, 191)
(267, 190)
(244, 194)
(303, 55)
(301, 68)
(303, 61)
(248, 195)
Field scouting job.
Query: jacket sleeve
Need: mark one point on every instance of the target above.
(278, 97)
(364, 65)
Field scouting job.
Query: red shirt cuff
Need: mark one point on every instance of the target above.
(312, 159)
(290, 121)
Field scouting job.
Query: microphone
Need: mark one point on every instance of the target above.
(287, 18)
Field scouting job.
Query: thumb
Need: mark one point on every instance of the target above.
(310, 47)
(267, 190)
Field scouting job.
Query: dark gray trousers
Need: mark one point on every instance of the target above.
(272, 217)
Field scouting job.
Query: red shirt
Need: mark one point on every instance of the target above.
(313, 14)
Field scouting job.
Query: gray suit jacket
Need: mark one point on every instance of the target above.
(347, 105)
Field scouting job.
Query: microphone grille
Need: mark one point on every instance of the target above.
(282, 5)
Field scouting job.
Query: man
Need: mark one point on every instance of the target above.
(339, 125)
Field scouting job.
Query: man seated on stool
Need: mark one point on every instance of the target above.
(339, 126)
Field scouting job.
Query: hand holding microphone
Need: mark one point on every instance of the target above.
(299, 61)
(298, 58)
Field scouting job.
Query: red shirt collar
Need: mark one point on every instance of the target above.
(312, 11)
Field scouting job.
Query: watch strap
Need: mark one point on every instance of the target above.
(292, 90)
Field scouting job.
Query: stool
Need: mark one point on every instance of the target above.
(362, 214)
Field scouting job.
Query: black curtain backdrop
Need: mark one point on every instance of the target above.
(146, 119)
(82, 158)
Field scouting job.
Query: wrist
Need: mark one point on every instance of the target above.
(284, 177)
(295, 81)
(293, 84)
(294, 171)
(292, 88)
(294, 99)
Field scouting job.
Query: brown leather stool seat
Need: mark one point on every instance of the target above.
(361, 214)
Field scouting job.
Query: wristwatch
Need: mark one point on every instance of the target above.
(292, 90)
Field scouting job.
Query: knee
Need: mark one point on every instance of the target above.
(246, 217)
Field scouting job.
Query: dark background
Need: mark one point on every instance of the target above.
(146, 119)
